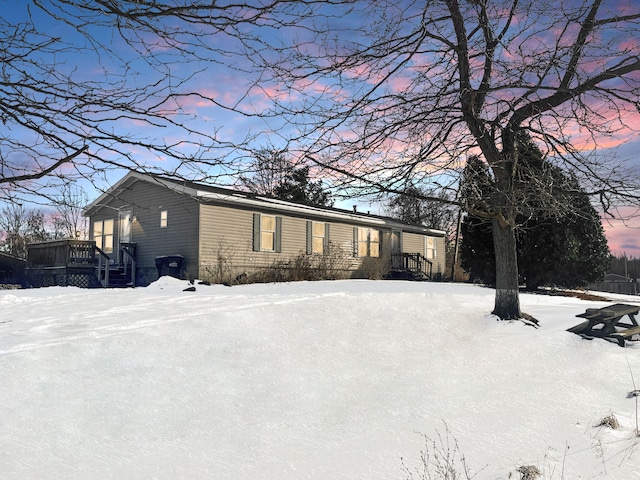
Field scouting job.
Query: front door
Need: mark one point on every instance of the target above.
(125, 233)
(396, 249)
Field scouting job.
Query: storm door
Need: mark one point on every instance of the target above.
(124, 231)
(396, 249)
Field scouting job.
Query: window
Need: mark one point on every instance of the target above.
(367, 242)
(430, 247)
(266, 233)
(317, 237)
(163, 219)
(103, 235)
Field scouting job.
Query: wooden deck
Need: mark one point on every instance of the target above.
(77, 263)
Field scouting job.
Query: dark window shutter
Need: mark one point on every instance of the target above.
(309, 237)
(256, 232)
(278, 239)
(325, 245)
(355, 241)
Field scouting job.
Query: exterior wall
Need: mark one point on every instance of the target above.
(226, 243)
(415, 243)
(179, 237)
(217, 239)
(412, 243)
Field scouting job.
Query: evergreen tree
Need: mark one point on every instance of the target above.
(272, 173)
(476, 248)
(566, 249)
(298, 187)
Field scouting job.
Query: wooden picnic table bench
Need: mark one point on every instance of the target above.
(607, 323)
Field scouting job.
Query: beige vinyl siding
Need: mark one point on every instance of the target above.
(226, 241)
(412, 243)
(226, 234)
(342, 235)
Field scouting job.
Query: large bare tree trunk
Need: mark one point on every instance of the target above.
(507, 304)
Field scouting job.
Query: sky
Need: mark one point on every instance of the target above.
(341, 380)
(216, 81)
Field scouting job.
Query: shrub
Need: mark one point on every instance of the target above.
(331, 266)
(441, 459)
(528, 472)
(374, 268)
(609, 421)
(222, 270)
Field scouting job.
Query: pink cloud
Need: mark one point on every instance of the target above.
(623, 233)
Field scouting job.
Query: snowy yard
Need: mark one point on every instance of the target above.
(323, 380)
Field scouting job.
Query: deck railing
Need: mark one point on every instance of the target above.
(78, 262)
(71, 261)
(60, 253)
(102, 266)
(413, 262)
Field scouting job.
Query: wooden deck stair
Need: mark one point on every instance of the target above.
(410, 266)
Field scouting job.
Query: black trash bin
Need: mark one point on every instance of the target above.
(169, 265)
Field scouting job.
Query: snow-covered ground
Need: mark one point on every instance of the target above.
(321, 380)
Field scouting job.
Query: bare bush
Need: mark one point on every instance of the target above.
(333, 265)
(528, 472)
(222, 269)
(374, 268)
(609, 421)
(441, 459)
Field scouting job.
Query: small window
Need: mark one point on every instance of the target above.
(368, 242)
(430, 247)
(103, 235)
(163, 219)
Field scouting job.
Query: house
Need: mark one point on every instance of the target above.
(12, 270)
(199, 231)
(614, 283)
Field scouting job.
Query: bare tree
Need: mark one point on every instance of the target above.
(68, 221)
(396, 90)
(375, 92)
(20, 226)
(413, 205)
(84, 100)
(267, 171)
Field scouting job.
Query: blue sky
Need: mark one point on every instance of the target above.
(216, 81)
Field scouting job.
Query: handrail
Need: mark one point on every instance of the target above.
(415, 262)
(106, 268)
(125, 248)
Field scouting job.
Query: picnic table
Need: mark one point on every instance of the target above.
(608, 323)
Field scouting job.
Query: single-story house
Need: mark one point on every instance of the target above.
(614, 283)
(207, 233)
